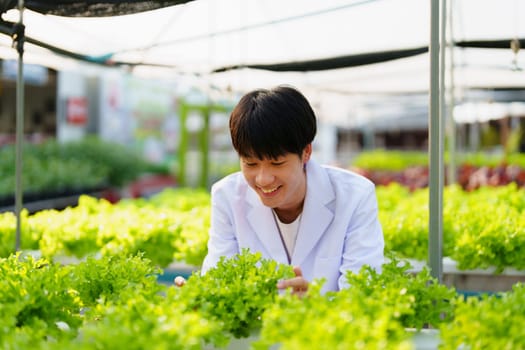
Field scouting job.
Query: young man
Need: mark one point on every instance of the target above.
(321, 219)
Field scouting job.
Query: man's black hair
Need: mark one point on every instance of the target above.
(271, 123)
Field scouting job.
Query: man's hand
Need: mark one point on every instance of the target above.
(298, 284)
(179, 281)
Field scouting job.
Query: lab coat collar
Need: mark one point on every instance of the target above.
(316, 213)
(263, 223)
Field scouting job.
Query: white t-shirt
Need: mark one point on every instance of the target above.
(288, 232)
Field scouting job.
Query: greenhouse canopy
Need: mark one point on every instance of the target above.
(339, 46)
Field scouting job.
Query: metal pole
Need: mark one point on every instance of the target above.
(451, 123)
(19, 125)
(435, 152)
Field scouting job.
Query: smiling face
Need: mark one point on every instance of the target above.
(280, 183)
(272, 132)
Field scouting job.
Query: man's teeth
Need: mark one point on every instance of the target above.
(269, 190)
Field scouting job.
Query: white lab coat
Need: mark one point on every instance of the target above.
(339, 228)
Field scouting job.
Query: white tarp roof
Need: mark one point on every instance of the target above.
(202, 35)
(482, 112)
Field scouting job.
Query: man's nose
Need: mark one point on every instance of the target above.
(264, 177)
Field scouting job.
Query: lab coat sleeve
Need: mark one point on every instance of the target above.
(364, 242)
(222, 239)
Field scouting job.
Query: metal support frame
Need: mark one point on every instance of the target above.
(435, 239)
(18, 41)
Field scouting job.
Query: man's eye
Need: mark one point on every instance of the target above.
(277, 163)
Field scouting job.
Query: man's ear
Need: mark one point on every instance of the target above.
(307, 152)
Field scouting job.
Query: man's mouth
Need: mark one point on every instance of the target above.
(268, 190)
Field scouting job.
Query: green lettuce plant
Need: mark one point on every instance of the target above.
(235, 292)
